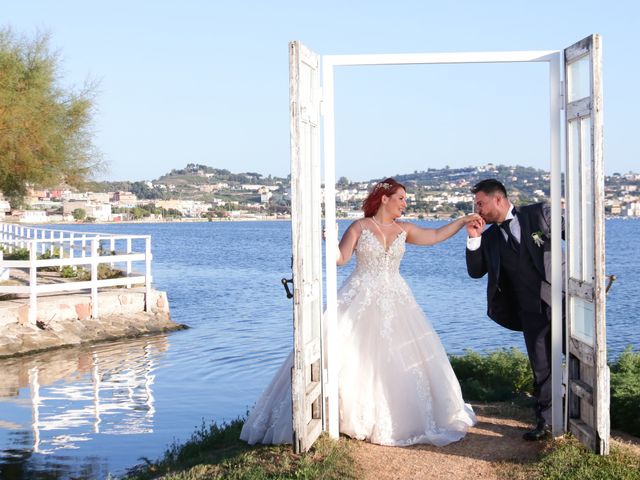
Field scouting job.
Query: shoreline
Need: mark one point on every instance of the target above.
(243, 219)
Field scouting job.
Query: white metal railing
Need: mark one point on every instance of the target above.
(73, 248)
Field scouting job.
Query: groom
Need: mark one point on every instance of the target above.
(516, 253)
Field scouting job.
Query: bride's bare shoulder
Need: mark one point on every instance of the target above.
(406, 226)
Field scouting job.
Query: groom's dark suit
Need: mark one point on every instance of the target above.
(518, 289)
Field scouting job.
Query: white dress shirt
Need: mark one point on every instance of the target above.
(473, 243)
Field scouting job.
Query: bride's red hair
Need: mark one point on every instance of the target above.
(386, 187)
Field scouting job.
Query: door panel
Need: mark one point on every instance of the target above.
(306, 382)
(588, 388)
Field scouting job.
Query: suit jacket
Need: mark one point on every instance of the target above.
(535, 221)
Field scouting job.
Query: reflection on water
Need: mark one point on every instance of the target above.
(98, 410)
(54, 402)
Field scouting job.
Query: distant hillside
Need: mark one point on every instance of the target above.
(195, 174)
(525, 183)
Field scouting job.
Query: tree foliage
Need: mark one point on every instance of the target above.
(79, 214)
(45, 138)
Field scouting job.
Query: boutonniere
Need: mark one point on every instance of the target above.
(537, 238)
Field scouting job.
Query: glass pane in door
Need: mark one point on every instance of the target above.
(579, 79)
(582, 320)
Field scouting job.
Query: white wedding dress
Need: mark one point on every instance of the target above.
(396, 385)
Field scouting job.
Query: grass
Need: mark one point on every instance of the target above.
(567, 459)
(493, 376)
(625, 392)
(505, 375)
(215, 452)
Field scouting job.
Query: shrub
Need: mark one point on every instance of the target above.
(625, 392)
(68, 271)
(497, 375)
(47, 256)
(104, 271)
(17, 254)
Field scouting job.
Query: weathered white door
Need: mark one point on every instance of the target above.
(306, 237)
(588, 375)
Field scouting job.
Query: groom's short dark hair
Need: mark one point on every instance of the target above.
(489, 186)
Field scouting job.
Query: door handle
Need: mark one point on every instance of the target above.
(285, 284)
(610, 280)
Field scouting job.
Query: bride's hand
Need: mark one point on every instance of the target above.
(324, 231)
(475, 226)
(471, 217)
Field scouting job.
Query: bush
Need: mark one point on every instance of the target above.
(17, 254)
(494, 376)
(68, 271)
(105, 271)
(625, 392)
(47, 256)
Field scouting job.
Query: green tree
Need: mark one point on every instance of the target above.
(343, 182)
(79, 214)
(45, 139)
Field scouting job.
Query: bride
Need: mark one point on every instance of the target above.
(396, 385)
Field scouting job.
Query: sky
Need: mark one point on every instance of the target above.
(207, 81)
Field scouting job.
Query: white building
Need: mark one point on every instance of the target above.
(102, 197)
(99, 211)
(265, 194)
(632, 210)
(4, 208)
(33, 216)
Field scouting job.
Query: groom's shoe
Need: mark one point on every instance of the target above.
(541, 432)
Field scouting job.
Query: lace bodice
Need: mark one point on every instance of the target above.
(372, 258)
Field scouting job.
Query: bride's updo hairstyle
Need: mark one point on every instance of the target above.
(386, 187)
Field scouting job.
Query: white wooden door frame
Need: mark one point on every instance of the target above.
(588, 373)
(306, 383)
(329, 62)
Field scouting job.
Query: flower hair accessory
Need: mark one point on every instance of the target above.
(384, 185)
(537, 238)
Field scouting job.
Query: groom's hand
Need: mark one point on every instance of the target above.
(475, 228)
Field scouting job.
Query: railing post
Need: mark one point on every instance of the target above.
(95, 258)
(129, 261)
(33, 279)
(84, 245)
(4, 272)
(112, 247)
(71, 244)
(147, 274)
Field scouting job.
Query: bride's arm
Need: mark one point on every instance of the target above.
(430, 236)
(348, 243)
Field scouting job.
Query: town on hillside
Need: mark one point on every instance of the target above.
(200, 192)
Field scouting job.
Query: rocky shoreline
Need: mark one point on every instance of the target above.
(65, 320)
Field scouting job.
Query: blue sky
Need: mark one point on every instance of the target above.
(207, 81)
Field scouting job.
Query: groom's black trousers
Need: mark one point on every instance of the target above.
(520, 277)
(537, 338)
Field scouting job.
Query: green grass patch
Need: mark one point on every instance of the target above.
(625, 392)
(217, 452)
(505, 375)
(493, 376)
(567, 459)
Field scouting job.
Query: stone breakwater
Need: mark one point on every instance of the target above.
(65, 320)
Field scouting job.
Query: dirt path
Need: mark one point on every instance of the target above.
(479, 455)
(489, 448)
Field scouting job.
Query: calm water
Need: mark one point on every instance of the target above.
(93, 411)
